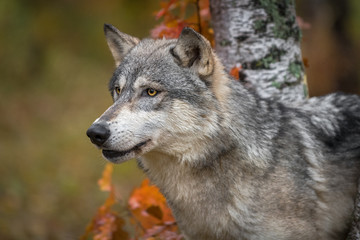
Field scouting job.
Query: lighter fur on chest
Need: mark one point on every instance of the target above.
(194, 199)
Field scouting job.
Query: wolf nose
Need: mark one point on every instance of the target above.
(98, 133)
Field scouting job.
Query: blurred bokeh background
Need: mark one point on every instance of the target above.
(54, 69)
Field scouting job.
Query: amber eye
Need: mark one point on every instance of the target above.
(151, 92)
(117, 90)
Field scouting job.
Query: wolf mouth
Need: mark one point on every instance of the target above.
(111, 154)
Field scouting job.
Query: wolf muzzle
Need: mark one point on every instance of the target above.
(98, 133)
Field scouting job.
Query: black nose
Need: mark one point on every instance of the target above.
(98, 133)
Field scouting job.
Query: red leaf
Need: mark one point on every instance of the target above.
(105, 182)
(106, 224)
(149, 208)
(235, 71)
(169, 30)
(165, 10)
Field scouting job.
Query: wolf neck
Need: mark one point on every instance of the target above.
(233, 138)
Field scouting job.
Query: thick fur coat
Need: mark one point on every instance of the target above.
(230, 164)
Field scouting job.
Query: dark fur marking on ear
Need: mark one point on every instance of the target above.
(194, 55)
(175, 55)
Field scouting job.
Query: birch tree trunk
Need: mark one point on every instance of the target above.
(263, 36)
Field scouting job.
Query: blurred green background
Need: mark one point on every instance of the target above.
(54, 70)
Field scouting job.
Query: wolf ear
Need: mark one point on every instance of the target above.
(193, 51)
(119, 43)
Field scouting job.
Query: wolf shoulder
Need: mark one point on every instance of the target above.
(332, 120)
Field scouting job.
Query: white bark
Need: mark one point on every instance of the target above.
(246, 33)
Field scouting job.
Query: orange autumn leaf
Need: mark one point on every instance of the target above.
(109, 227)
(235, 71)
(110, 201)
(105, 181)
(106, 224)
(147, 196)
(149, 209)
(173, 14)
(170, 30)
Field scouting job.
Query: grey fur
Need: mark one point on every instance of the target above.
(230, 164)
(118, 42)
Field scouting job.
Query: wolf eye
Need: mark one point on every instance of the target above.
(117, 90)
(151, 92)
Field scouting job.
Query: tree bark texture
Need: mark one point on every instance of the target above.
(262, 36)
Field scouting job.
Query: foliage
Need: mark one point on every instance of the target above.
(177, 14)
(150, 212)
(106, 224)
(147, 211)
(236, 71)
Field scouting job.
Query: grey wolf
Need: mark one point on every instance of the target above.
(230, 164)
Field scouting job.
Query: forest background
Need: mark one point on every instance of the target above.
(54, 70)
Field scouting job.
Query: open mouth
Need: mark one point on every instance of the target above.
(110, 154)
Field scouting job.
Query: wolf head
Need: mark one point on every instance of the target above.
(166, 95)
